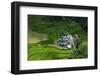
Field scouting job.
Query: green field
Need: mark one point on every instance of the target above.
(44, 30)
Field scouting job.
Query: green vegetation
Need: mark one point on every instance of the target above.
(44, 30)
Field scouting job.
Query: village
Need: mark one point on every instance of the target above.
(68, 41)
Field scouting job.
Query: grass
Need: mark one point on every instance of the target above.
(41, 51)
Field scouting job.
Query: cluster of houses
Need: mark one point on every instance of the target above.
(68, 41)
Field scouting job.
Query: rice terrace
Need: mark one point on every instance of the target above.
(57, 37)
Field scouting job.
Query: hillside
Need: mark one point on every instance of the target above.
(44, 30)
